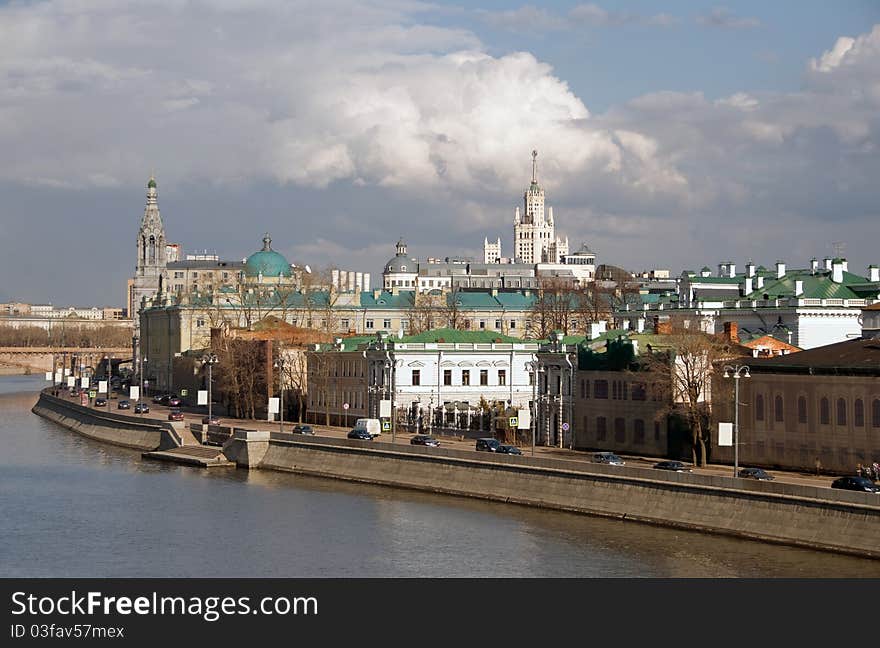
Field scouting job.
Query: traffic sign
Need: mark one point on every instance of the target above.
(345, 406)
(184, 392)
(513, 422)
(565, 427)
(93, 394)
(386, 425)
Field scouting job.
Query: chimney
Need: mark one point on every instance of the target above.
(827, 261)
(731, 331)
(750, 269)
(722, 269)
(366, 286)
(747, 287)
(873, 273)
(845, 265)
(814, 265)
(760, 282)
(798, 288)
(732, 269)
(837, 271)
(780, 269)
(640, 325)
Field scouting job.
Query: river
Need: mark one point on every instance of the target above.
(72, 507)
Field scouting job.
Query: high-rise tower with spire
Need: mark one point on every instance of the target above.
(534, 232)
(151, 255)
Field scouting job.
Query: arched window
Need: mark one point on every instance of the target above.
(778, 409)
(759, 407)
(639, 431)
(824, 411)
(875, 413)
(859, 413)
(802, 409)
(619, 430)
(151, 256)
(841, 411)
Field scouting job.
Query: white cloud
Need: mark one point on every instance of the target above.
(723, 18)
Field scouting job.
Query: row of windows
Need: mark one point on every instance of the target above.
(841, 411)
(620, 390)
(638, 429)
(465, 377)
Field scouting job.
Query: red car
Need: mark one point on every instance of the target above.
(175, 415)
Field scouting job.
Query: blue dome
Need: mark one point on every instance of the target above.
(267, 262)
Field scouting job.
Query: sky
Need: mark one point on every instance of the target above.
(670, 134)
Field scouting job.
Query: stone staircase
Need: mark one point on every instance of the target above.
(192, 455)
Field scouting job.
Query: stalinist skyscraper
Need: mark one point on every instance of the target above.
(534, 232)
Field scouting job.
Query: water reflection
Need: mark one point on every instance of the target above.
(74, 507)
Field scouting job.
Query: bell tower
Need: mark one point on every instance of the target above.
(151, 257)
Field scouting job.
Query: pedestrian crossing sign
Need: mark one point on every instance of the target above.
(386, 425)
(513, 422)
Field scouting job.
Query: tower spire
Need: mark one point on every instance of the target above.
(534, 166)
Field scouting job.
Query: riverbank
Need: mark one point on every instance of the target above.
(818, 518)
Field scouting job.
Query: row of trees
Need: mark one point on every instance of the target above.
(66, 335)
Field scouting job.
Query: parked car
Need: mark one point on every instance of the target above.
(210, 420)
(488, 444)
(303, 429)
(856, 484)
(100, 402)
(425, 440)
(123, 404)
(608, 458)
(174, 401)
(675, 466)
(755, 473)
(175, 415)
(360, 433)
(141, 408)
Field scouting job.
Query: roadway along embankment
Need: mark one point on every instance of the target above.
(819, 518)
(102, 425)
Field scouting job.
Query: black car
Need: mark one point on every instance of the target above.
(100, 402)
(508, 449)
(675, 466)
(174, 401)
(488, 444)
(161, 399)
(856, 484)
(141, 408)
(360, 433)
(210, 420)
(755, 473)
(123, 404)
(303, 429)
(425, 440)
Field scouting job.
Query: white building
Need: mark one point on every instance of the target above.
(534, 231)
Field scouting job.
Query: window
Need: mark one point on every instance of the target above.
(369, 324)
(859, 413)
(638, 391)
(195, 275)
(875, 413)
(824, 412)
(802, 409)
(656, 430)
(404, 324)
(178, 275)
(416, 377)
(447, 376)
(344, 323)
(386, 323)
(619, 430)
(778, 409)
(465, 377)
(759, 407)
(639, 431)
(502, 377)
(200, 322)
(482, 324)
(512, 324)
(484, 376)
(841, 411)
(600, 428)
(600, 389)
(497, 324)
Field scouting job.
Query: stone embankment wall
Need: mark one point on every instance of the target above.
(106, 426)
(818, 518)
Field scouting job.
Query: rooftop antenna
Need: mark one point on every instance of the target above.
(534, 166)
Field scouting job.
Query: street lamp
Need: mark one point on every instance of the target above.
(535, 368)
(210, 360)
(141, 393)
(279, 365)
(736, 371)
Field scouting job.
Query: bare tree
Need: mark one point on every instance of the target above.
(552, 309)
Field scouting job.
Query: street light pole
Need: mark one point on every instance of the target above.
(737, 371)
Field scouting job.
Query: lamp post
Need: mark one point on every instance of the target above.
(210, 360)
(535, 369)
(736, 371)
(141, 371)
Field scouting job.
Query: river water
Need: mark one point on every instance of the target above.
(72, 507)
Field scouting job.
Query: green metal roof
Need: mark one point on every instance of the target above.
(455, 335)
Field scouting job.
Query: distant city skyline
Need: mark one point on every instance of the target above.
(674, 136)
